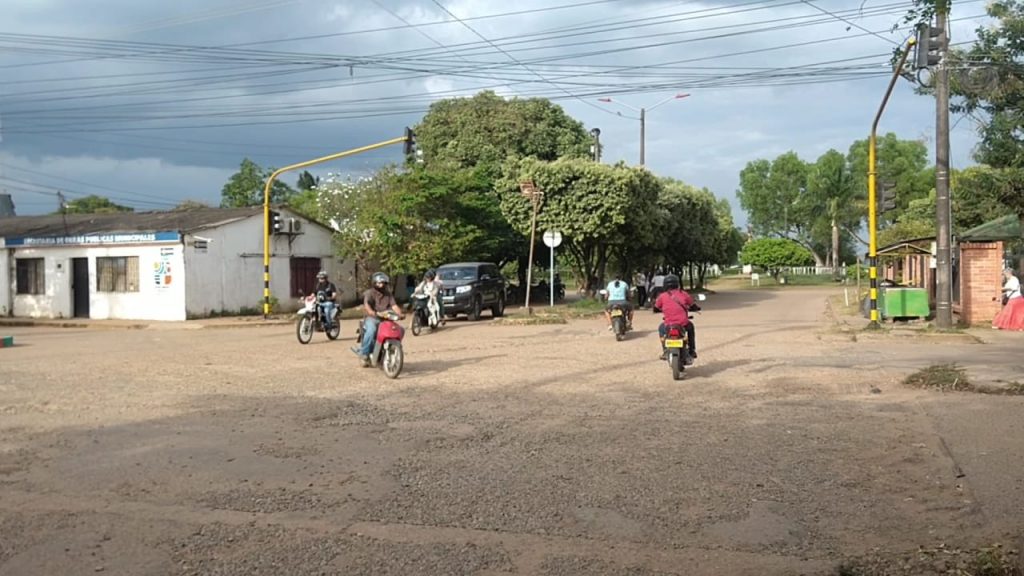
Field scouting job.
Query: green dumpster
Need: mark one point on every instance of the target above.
(897, 302)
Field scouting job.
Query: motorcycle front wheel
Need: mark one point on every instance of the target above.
(393, 359)
(417, 324)
(304, 329)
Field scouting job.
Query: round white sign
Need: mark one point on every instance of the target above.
(552, 238)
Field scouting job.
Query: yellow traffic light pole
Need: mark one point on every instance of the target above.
(872, 190)
(266, 202)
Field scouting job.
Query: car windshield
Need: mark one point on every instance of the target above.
(457, 274)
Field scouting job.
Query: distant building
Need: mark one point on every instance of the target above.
(160, 265)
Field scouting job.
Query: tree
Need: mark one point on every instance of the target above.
(774, 194)
(94, 204)
(186, 205)
(901, 165)
(992, 84)
(773, 254)
(595, 206)
(486, 130)
(245, 187)
(830, 187)
(977, 199)
(307, 181)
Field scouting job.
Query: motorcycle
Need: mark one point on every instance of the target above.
(311, 318)
(677, 345)
(423, 314)
(387, 348)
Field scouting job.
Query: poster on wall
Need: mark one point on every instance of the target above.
(162, 269)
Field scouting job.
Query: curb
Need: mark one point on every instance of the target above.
(140, 326)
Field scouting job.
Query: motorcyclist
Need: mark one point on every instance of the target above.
(675, 305)
(330, 301)
(377, 302)
(431, 287)
(617, 293)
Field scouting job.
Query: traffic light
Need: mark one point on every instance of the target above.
(410, 142)
(886, 200)
(275, 222)
(929, 45)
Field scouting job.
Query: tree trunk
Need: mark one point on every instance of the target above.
(835, 248)
(702, 271)
(602, 263)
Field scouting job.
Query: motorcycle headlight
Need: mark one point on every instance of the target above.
(463, 289)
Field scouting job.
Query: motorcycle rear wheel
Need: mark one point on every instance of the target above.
(676, 360)
(304, 329)
(392, 359)
(619, 327)
(335, 330)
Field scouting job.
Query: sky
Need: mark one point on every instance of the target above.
(152, 103)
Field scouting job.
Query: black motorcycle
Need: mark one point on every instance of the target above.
(422, 316)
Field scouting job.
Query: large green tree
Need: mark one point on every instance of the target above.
(831, 188)
(486, 130)
(596, 207)
(901, 165)
(94, 204)
(245, 187)
(774, 254)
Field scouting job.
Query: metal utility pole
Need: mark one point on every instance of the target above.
(872, 190)
(943, 264)
(643, 117)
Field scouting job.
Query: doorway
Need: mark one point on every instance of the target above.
(80, 287)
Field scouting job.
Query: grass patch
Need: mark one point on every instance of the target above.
(536, 319)
(583, 308)
(941, 377)
(951, 378)
(940, 560)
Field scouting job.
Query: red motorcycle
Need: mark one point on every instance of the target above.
(387, 347)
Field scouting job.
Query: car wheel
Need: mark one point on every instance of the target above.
(498, 310)
(474, 313)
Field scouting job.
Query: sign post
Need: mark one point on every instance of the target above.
(552, 238)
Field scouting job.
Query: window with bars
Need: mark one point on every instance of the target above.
(31, 277)
(117, 274)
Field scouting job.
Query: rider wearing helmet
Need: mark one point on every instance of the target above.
(675, 305)
(431, 286)
(330, 297)
(377, 302)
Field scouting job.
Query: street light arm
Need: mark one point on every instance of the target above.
(667, 100)
(610, 101)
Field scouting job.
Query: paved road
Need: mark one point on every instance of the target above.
(522, 450)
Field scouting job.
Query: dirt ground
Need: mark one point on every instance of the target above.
(549, 450)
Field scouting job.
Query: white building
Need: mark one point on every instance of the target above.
(160, 265)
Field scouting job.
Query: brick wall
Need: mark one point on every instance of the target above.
(981, 281)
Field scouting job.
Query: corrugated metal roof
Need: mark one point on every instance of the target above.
(69, 224)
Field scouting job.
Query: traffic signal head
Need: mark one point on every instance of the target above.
(929, 44)
(276, 224)
(886, 200)
(410, 142)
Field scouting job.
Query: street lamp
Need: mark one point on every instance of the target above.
(643, 115)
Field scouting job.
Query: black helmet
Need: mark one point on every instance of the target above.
(671, 282)
(380, 278)
(321, 274)
(430, 274)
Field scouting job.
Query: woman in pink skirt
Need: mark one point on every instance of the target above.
(1012, 315)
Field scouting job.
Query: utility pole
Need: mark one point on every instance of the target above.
(643, 117)
(596, 146)
(643, 133)
(531, 192)
(943, 265)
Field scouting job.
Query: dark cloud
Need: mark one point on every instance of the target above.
(109, 93)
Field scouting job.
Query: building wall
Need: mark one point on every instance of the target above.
(160, 298)
(980, 281)
(6, 278)
(227, 276)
